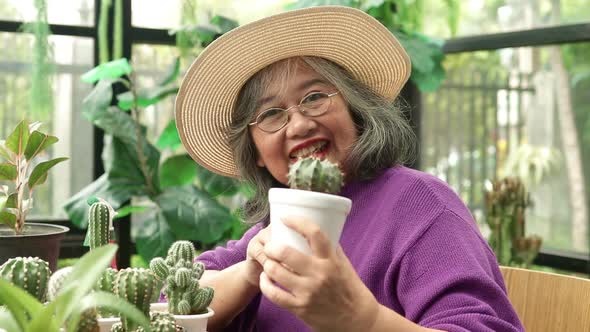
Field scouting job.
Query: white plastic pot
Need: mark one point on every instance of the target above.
(191, 323)
(328, 211)
(105, 324)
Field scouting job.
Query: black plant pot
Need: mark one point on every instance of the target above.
(38, 240)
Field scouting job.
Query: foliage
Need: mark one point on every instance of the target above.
(42, 69)
(21, 152)
(23, 313)
(181, 195)
(404, 19)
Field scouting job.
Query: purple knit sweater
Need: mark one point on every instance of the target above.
(416, 247)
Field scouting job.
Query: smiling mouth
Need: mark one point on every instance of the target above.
(318, 149)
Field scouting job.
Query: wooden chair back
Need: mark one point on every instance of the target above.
(548, 301)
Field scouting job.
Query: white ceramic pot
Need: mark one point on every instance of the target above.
(328, 211)
(105, 324)
(191, 323)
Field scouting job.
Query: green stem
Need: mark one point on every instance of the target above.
(118, 30)
(103, 29)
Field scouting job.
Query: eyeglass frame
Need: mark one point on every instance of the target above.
(298, 106)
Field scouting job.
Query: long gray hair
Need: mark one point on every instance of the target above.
(384, 139)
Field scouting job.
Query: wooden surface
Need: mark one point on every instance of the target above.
(549, 302)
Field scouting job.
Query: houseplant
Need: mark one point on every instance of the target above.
(314, 185)
(25, 313)
(22, 155)
(180, 274)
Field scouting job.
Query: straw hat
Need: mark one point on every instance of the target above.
(344, 35)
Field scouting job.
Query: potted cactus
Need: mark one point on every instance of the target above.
(313, 194)
(21, 153)
(186, 300)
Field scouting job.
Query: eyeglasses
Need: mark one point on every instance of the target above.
(273, 119)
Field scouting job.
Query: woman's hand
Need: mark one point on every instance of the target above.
(255, 256)
(322, 289)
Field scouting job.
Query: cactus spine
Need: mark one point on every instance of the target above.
(181, 275)
(315, 175)
(29, 273)
(136, 286)
(506, 203)
(100, 223)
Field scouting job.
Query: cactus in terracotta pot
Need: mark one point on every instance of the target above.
(315, 175)
(29, 273)
(181, 275)
(137, 286)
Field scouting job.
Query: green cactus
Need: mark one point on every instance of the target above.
(315, 175)
(105, 283)
(181, 275)
(29, 273)
(164, 322)
(136, 286)
(100, 223)
(88, 320)
(506, 202)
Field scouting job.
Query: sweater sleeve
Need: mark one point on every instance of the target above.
(234, 251)
(449, 280)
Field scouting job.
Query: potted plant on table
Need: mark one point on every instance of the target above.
(21, 153)
(314, 185)
(180, 274)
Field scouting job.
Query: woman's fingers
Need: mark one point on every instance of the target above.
(291, 258)
(274, 293)
(318, 241)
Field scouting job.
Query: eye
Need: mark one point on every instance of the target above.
(314, 97)
(270, 114)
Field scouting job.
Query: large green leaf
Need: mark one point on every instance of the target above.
(154, 236)
(38, 142)
(5, 152)
(224, 24)
(97, 101)
(109, 70)
(7, 171)
(129, 209)
(11, 201)
(39, 173)
(19, 302)
(145, 97)
(17, 140)
(44, 320)
(177, 170)
(215, 184)
(428, 82)
(193, 215)
(169, 137)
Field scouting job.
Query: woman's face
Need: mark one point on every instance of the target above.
(328, 136)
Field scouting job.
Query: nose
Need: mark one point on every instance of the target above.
(299, 125)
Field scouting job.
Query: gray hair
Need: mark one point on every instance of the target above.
(385, 138)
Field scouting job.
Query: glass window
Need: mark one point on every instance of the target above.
(73, 57)
(483, 17)
(71, 12)
(520, 111)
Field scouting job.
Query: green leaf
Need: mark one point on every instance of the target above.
(215, 184)
(11, 201)
(110, 301)
(82, 279)
(8, 322)
(428, 82)
(193, 215)
(8, 219)
(109, 70)
(38, 142)
(8, 171)
(5, 153)
(169, 137)
(19, 302)
(44, 320)
(145, 98)
(97, 102)
(39, 173)
(224, 24)
(171, 73)
(129, 209)
(177, 171)
(154, 236)
(17, 140)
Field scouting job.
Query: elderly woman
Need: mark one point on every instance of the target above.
(321, 82)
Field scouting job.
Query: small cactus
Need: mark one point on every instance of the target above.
(137, 287)
(315, 175)
(29, 273)
(164, 322)
(181, 275)
(105, 283)
(100, 223)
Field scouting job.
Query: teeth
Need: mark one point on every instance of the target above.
(309, 150)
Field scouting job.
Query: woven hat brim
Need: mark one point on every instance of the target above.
(344, 35)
